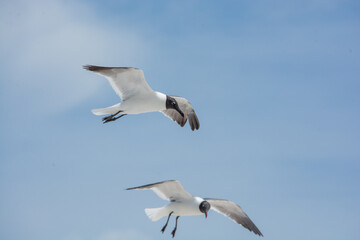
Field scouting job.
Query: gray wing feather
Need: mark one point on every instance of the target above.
(125, 81)
(168, 190)
(188, 111)
(234, 212)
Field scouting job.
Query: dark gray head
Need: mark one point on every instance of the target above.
(171, 103)
(204, 207)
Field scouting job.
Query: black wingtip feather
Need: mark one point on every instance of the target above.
(194, 121)
(149, 185)
(95, 68)
(86, 67)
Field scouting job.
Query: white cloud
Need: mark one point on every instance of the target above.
(44, 45)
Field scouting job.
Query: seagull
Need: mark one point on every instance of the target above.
(183, 203)
(138, 97)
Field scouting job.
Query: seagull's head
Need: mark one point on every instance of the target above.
(204, 207)
(171, 103)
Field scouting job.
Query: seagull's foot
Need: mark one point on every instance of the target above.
(167, 221)
(108, 118)
(112, 117)
(173, 232)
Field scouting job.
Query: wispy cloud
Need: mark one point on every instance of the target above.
(45, 43)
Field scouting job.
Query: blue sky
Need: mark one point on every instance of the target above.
(275, 85)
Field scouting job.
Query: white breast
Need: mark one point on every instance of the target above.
(187, 207)
(155, 101)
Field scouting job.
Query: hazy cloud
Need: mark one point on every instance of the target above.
(44, 45)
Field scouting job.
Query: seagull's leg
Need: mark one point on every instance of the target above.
(112, 117)
(174, 231)
(107, 118)
(164, 227)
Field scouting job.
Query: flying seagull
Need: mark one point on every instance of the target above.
(183, 203)
(138, 97)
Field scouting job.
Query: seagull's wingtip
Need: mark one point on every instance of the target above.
(257, 232)
(88, 67)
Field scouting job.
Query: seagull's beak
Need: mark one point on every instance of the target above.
(179, 111)
(205, 214)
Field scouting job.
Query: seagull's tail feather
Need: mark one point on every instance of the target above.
(155, 213)
(108, 110)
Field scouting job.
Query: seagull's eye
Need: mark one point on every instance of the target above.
(174, 103)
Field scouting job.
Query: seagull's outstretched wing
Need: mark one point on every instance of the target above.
(125, 81)
(170, 190)
(233, 211)
(188, 111)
